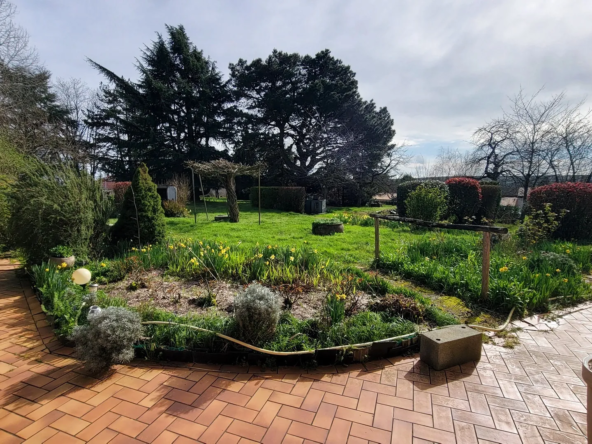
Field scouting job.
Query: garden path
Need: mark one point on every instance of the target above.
(531, 394)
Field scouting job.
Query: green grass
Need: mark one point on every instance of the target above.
(353, 247)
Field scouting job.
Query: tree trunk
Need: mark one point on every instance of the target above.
(231, 198)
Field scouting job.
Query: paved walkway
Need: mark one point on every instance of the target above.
(531, 394)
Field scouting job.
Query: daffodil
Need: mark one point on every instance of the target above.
(567, 251)
(143, 250)
(547, 274)
(314, 251)
(564, 280)
(47, 269)
(524, 258)
(292, 250)
(272, 257)
(558, 270)
(64, 265)
(269, 247)
(291, 258)
(171, 247)
(503, 269)
(103, 264)
(266, 262)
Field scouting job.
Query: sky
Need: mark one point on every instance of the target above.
(442, 68)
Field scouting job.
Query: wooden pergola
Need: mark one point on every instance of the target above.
(485, 229)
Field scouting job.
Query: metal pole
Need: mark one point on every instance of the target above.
(376, 239)
(259, 196)
(194, 206)
(204, 196)
(485, 265)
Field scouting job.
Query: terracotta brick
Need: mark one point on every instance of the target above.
(70, 424)
(203, 384)
(413, 417)
(157, 427)
(267, 414)
(431, 434)
(206, 398)
(305, 431)
(127, 426)
(75, 408)
(184, 411)
(246, 430)
(130, 410)
(234, 398)
(497, 435)
(216, 430)
(402, 432)
(227, 438)
(37, 426)
(187, 428)
(353, 388)
(295, 414)
(211, 412)
(383, 417)
(325, 415)
(344, 401)
(97, 426)
(63, 438)
(165, 437)
(178, 383)
(277, 431)
(131, 395)
(296, 401)
(370, 433)
(278, 386)
(155, 411)
(38, 438)
(237, 412)
(395, 401)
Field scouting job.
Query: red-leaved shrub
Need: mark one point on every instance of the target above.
(119, 189)
(465, 197)
(576, 198)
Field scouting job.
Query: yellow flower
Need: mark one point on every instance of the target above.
(547, 274)
(59, 267)
(47, 269)
(564, 280)
(567, 251)
(259, 255)
(134, 249)
(272, 257)
(143, 250)
(558, 270)
(292, 250)
(171, 247)
(306, 242)
(266, 262)
(201, 253)
(181, 245)
(269, 247)
(103, 264)
(292, 258)
(314, 251)
(503, 269)
(225, 256)
(64, 265)
(427, 259)
(524, 258)
(537, 275)
(200, 243)
(275, 246)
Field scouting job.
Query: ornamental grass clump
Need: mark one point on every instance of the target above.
(108, 338)
(257, 312)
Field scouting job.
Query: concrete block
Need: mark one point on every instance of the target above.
(450, 346)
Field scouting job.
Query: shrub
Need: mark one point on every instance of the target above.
(279, 198)
(58, 205)
(257, 312)
(142, 216)
(540, 225)
(491, 194)
(119, 189)
(406, 188)
(173, 208)
(465, 198)
(61, 251)
(508, 214)
(576, 198)
(399, 305)
(427, 203)
(108, 338)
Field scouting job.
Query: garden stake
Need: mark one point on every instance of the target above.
(204, 197)
(194, 206)
(376, 239)
(485, 265)
(259, 196)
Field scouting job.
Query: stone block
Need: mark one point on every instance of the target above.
(450, 346)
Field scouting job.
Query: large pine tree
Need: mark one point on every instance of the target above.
(176, 111)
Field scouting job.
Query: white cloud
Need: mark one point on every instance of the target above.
(441, 68)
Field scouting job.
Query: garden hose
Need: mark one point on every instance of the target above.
(495, 330)
(276, 353)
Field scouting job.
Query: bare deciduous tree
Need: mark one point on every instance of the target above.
(14, 40)
(493, 148)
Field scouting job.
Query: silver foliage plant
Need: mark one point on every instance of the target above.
(257, 312)
(108, 338)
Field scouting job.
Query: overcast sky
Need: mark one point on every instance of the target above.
(441, 67)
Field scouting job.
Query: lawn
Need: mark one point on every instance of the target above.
(354, 246)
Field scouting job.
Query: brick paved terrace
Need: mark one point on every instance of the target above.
(531, 394)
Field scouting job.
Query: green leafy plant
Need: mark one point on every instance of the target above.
(406, 188)
(61, 251)
(108, 338)
(257, 312)
(142, 216)
(465, 198)
(172, 208)
(491, 194)
(508, 214)
(427, 203)
(335, 308)
(540, 225)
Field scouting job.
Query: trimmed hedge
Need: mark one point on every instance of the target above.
(279, 198)
(576, 198)
(465, 197)
(406, 188)
(491, 197)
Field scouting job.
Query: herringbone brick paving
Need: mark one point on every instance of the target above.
(531, 394)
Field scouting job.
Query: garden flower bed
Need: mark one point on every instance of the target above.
(194, 282)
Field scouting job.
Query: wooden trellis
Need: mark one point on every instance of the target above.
(485, 229)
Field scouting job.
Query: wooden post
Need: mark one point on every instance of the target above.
(259, 196)
(194, 205)
(376, 239)
(485, 265)
(204, 197)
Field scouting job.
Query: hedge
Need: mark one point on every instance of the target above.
(576, 198)
(491, 194)
(465, 198)
(406, 188)
(279, 198)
